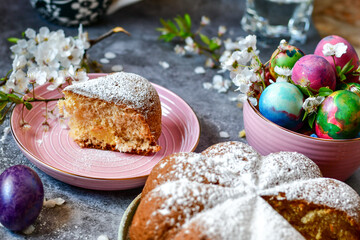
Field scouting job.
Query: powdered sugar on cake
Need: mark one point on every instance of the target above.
(120, 88)
(233, 174)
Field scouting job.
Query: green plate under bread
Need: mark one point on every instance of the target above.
(127, 219)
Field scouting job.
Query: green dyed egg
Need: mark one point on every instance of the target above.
(284, 58)
(353, 87)
(339, 116)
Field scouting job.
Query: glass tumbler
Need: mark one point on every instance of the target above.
(278, 18)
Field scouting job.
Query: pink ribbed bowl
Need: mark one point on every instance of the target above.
(336, 158)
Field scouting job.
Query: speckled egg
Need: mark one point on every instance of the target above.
(284, 58)
(281, 103)
(346, 57)
(353, 87)
(339, 116)
(315, 72)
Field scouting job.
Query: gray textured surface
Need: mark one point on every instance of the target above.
(88, 214)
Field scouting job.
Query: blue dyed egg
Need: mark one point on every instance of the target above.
(282, 103)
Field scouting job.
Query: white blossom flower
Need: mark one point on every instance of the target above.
(80, 75)
(164, 65)
(43, 34)
(17, 82)
(82, 41)
(104, 60)
(221, 30)
(217, 40)
(311, 104)
(117, 68)
(334, 50)
(209, 63)
(207, 85)
(255, 64)
(47, 56)
(244, 97)
(283, 44)
(179, 50)
(205, 21)
(199, 70)
(249, 42)
(110, 55)
(230, 45)
(220, 84)
(30, 33)
(283, 71)
(37, 75)
(224, 134)
(191, 46)
(19, 62)
(247, 76)
(281, 79)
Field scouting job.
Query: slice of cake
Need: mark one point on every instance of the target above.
(119, 112)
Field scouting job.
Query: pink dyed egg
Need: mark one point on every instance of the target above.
(315, 72)
(346, 57)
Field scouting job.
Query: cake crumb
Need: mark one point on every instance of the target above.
(29, 230)
(224, 134)
(53, 202)
(242, 134)
(240, 105)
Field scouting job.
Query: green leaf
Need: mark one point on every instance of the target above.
(338, 69)
(13, 39)
(213, 46)
(15, 99)
(324, 91)
(172, 26)
(305, 115)
(187, 19)
(28, 105)
(167, 37)
(342, 77)
(2, 105)
(347, 67)
(311, 119)
(3, 96)
(205, 39)
(180, 23)
(162, 30)
(304, 90)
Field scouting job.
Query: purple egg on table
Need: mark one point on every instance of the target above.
(21, 197)
(315, 72)
(346, 57)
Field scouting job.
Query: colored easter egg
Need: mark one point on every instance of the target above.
(284, 58)
(353, 87)
(346, 57)
(281, 103)
(339, 116)
(315, 72)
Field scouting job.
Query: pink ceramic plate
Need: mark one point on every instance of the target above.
(55, 153)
